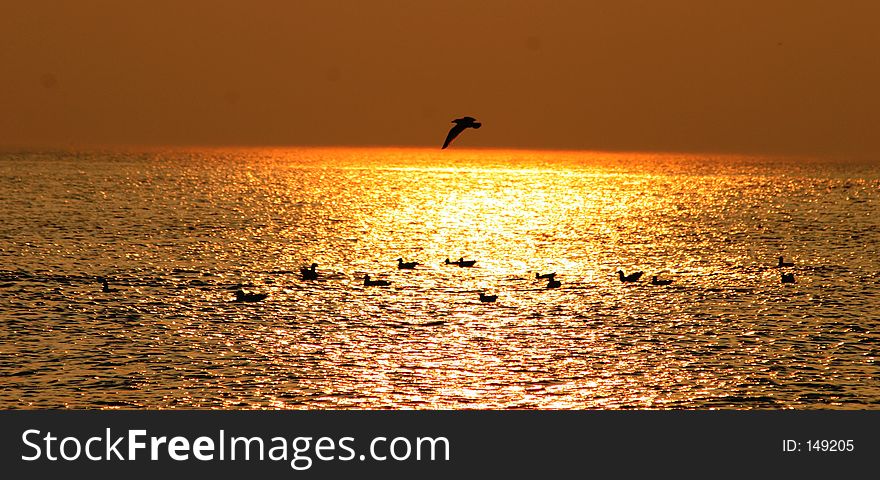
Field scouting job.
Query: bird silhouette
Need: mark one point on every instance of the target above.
(487, 298)
(105, 287)
(784, 264)
(654, 281)
(375, 283)
(465, 263)
(406, 265)
(788, 278)
(309, 273)
(553, 283)
(632, 277)
(460, 125)
(242, 296)
(461, 262)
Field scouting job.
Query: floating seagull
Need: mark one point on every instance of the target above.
(784, 264)
(406, 265)
(788, 278)
(460, 125)
(375, 283)
(553, 283)
(309, 273)
(461, 262)
(654, 281)
(242, 296)
(105, 287)
(487, 298)
(465, 263)
(548, 276)
(632, 277)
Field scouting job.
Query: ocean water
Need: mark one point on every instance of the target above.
(177, 232)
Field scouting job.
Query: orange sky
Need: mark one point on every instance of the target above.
(673, 75)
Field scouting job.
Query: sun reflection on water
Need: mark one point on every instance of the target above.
(180, 231)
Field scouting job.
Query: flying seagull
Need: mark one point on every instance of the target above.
(460, 125)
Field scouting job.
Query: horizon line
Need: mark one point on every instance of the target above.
(113, 147)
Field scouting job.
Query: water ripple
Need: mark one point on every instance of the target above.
(176, 233)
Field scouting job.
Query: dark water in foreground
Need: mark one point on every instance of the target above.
(177, 232)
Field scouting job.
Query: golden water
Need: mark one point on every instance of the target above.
(176, 232)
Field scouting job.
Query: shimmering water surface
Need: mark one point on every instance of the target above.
(177, 232)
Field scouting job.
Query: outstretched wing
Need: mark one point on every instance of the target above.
(453, 132)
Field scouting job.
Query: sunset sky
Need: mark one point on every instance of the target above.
(674, 75)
